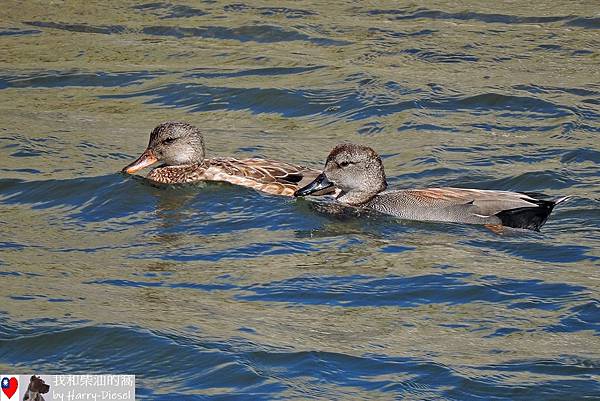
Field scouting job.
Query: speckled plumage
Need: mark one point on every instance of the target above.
(271, 176)
(181, 147)
(358, 172)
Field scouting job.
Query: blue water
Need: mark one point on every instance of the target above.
(216, 292)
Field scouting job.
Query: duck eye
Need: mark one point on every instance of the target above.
(344, 163)
(168, 141)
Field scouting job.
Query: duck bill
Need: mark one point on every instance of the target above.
(146, 159)
(320, 183)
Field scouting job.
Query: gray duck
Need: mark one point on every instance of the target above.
(357, 171)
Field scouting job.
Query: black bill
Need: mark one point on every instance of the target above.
(320, 183)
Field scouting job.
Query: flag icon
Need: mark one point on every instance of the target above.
(10, 387)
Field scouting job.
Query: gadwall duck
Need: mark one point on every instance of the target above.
(180, 147)
(358, 172)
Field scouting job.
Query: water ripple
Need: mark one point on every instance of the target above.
(196, 368)
(166, 11)
(83, 28)
(18, 32)
(353, 291)
(254, 33)
(63, 79)
(352, 105)
(467, 15)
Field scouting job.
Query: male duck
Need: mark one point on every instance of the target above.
(180, 147)
(358, 172)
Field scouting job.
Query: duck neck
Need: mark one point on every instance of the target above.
(359, 198)
(355, 198)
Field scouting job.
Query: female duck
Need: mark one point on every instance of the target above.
(180, 147)
(358, 172)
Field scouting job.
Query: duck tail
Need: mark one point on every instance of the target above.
(561, 200)
(530, 218)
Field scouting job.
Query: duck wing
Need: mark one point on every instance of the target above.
(512, 209)
(272, 176)
(481, 202)
(265, 170)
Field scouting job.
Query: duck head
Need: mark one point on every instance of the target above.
(356, 170)
(172, 143)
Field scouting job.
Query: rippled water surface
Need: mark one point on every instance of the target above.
(219, 292)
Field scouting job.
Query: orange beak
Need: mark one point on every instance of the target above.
(146, 159)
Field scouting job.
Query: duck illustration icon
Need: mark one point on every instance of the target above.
(9, 385)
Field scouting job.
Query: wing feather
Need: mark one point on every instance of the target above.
(266, 171)
(480, 202)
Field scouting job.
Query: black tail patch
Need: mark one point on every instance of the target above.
(530, 218)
